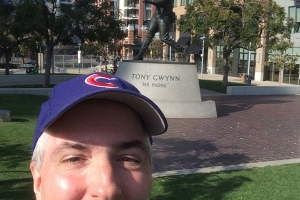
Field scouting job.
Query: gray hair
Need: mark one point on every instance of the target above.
(39, 151)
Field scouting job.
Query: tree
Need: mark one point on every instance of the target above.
(17, 21)
(291, 64)
(60, 22)
(157, 48)
(280, 59)
(233, 24)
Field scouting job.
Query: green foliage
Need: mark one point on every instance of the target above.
(17, 21)
(234, 24)
(279, 58)
(283, 61)
(180, 57)
(157, 48)
(53, 23)
(220, 61)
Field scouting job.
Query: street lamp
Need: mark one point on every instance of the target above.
(249, 58)
(79, 56)
(37, 55)
(170, 53)
(202, 55)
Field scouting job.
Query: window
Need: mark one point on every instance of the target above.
(148, 15)
(175, 3)
(294, 12)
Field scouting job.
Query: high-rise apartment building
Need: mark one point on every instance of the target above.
(135, 15)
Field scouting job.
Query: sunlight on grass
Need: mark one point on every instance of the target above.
(269, 183)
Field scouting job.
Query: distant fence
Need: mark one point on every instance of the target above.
(64, 61)
(71, 61)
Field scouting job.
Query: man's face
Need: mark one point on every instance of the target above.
(95, 151)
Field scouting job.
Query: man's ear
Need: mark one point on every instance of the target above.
(36, 180)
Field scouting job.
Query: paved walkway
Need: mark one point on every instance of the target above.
(248, 129)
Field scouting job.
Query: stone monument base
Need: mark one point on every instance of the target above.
(5, 116)
(188, 109)
(173, 86)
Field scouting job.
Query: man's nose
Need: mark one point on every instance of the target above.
(103, 181)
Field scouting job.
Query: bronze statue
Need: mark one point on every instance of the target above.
(160, 21)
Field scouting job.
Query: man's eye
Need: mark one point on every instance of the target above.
(127, 159)
(130, 163)
(72, 160)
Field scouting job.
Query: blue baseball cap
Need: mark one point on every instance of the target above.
(102, 86)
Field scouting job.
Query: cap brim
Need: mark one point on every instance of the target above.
(153, 120)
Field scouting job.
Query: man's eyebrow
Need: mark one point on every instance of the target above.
(71, 145)
(133, 144)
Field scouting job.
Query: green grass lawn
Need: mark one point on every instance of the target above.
(15, 139)
(269, 183)
(281, 182)
(216, 85)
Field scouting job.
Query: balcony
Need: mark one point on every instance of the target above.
(136, 27)
(132, 6)
(130, 17)
(133, 16)
(67, 2)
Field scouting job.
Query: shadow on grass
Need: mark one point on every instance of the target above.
(22, 106)
(197, 186)
(19, 120)
(14, 155)
(15, 181)
(17, 188)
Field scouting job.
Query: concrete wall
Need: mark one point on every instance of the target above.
(263, 90)
(32, 79)
(27, 91)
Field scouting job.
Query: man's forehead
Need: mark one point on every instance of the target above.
(122, 144)
(100, 110)
(91, 139)
(63, 144)
(95, 104)
(91, 123)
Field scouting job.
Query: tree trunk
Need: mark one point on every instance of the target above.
(225, 67)
(48, 66)
(105, 61)
(7, 62)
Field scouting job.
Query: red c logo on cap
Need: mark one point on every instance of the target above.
(96, 80)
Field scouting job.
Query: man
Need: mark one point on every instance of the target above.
(160, 21)
(93, 141)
